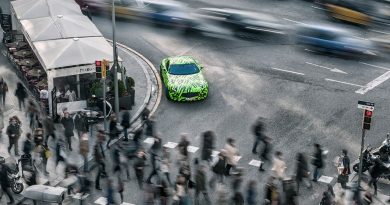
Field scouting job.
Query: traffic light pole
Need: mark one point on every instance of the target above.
(116, 106)
(361, 158)
(104, 107)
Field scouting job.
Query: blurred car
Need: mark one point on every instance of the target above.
(349, 11)
(333, 40)
(183, 79)
(170, 13)
(382, 42)
(243, 23)
(123, 8)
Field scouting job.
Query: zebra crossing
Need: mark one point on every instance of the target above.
(252, 162)
(103, 201)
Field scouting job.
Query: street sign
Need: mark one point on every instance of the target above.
(366, 105)
(6, 22)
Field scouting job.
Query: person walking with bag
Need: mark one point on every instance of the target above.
(218, 169)
(49, 129)
(279, 166)
(257, 129)
(344, 169)
(125, 123)
(139, 167)
(317, 161)
(80, 124)
(200, 185)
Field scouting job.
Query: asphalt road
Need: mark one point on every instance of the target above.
(299, 93)
(306, 97)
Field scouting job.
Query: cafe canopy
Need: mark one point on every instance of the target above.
(59, 27)
(73, 51)
(31, 9)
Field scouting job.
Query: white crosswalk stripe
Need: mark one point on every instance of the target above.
(255, 163)
(103, 201)
(80, 197)
(170, 145)
(192, 149)
(237, 158)
(215, 153)
(325, 179)
(149, 140)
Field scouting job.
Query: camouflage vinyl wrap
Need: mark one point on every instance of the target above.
(184, 87)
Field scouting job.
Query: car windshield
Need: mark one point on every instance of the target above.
(183, 69)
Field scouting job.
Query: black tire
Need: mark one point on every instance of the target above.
(17, 188)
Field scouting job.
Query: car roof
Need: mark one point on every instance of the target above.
(181, 60)
(244, 13)
(325, 28)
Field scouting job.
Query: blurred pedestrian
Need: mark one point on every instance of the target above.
(231, 153)
(113, 130)
(183, 147)
(59, 151)
(340, 198)
(208, 145)
(345, 170)
(120, 188)
(116, 160)
(180, 190)
(279, 166)
(28, 144)
(3, 92)
(328, 196)
(21, 94)
(68, 124)
(4, 183)
(84, 149)
(257, 129)
(251, 193)
(49, 129)
(302, 171)
(375, 172)
(218, 169)
(13, 132)
(80, 123)
(33, 112)
(367, 198)
(238, 198)
(110, 193)
(272, 196)
(222, 193)
(200, 185)
(99, 158)
(185, 171)
(164, 192)
(264, 154)
(165, 164)
(139, 167)
(150, 126)
(155, 157)
(317, 161)
(125, 123)
(137, 139)
(1, 123)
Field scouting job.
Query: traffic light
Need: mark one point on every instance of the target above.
(367, 119)
(98, 65)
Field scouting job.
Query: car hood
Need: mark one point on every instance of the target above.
(187, 83)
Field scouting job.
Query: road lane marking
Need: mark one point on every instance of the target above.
(319, 8)
(149, 140)
(371, 85)
(255, 163)
(325, 179)
(170, 145)
(376, 31)
(192, 149)
(288, 71)
(375, 66)
(328, 79)
(293, 21)
(330, 69)
(103, 201)
(310, 50)
(237, 158)
(79, 196)
(215, 153)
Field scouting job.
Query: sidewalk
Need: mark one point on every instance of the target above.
(147, 91)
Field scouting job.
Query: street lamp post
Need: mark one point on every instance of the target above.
(116, 106)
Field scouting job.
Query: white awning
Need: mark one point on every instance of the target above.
(31, 9)
(72, 52)
(59, 27)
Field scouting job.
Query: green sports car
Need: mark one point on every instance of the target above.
(183, 79)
